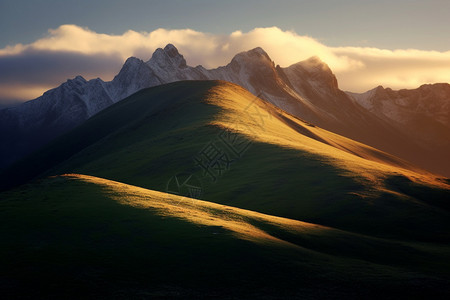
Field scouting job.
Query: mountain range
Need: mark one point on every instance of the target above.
(198, 189)
(410, 124)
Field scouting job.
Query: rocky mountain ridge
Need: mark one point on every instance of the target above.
(308, 90)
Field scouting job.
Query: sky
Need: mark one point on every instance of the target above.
(396, 43)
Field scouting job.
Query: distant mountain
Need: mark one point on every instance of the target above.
(421, 114)
(406, 107)
(307, 90)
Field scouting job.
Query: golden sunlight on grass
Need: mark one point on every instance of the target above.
(266, 123)
(238, 221)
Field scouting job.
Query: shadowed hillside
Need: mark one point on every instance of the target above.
(82, 236)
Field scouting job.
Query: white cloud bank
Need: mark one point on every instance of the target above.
(357, 69)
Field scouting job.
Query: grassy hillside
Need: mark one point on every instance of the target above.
(83, 236)
(287, 210)
(244, 152)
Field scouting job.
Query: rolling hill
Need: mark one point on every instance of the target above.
(78, 236)
(286, 206)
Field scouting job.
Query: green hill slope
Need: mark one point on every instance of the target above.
(287, 210)
(78, 236)
(241, 151)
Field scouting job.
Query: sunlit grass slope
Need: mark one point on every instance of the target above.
(83, 236)
(289, 168)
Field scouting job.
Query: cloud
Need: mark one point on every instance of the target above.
(408, 68)
(71, 50)
(31, 72)
(44, 67)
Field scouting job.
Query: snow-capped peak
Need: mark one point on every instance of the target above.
(74, 83)
(131, 61)
(315, 64)
(169, 56)
(131, 65)
(171, 50)
(78, 79)
(254, 54)
(259, 51)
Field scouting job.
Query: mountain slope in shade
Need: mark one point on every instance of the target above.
(26, 127)
(78, 236)
(307, 90)
(422, 114)
(263, 159)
